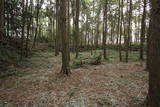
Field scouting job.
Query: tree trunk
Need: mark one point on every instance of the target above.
(120, 36)
(77, 27)
(86, 34)
(68, 4)
(143, 27)
(29, 19)
(57, 39)
(23, 28)
(129, 30)
(148, 44)
(154, 54)
(65, 60)
(37, 23)
(1, 19)
(105, 29)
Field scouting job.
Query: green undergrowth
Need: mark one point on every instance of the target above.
(10, 70)
(43, 53)
(85, 58)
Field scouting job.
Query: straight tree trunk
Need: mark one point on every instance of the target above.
(105, 29)
(148, 44)
(23, 29)
(29, 19)
(118, 26)
(97, 29)
(1, 19)
(139, 20)
(57, 29)
(143, 27)
(68, 4)
(154, 54)
(120, 36)
(86, 34)
(37, 23)
(129, 30)
(77, 28)
(63, 22)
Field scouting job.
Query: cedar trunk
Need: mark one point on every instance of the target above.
(63, 24)
(1, 19)
(77, 27)
(154, 54)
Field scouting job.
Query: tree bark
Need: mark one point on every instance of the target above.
(1, 19)
(143, 27)
(129, 30)
(77, 27)
(23, 28)
(120, 36)
(154, 54)
(65, 60)
(57, 39)
(105, 29)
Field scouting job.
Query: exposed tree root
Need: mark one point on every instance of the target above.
(65, 71)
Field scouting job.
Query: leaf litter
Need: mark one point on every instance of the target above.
(111, 84)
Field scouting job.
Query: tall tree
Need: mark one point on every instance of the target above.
(129, 34)
(23, 26)
(57, 39)
(154, 54)
(38, 7)
(77, 27)
(29, 19)
(68, 26)
(98, 25)
(120, 35)
(105, 28)
(143, 27)
(1, 19)
(63, 22)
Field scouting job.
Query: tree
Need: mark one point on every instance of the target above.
(68, 3)
(143, 26)
(120, 36)
(29, 8)
(57, 39)
(105, 28)
(1, 19)
(38, 7)
(129, 34)
(23, 26)
(98, 25)
(63, 22)
(77, 27)
(154, 54)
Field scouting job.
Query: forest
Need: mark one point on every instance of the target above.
(79, 53)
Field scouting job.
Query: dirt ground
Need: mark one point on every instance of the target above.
(111, 84)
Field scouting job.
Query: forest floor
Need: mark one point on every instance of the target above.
(110, 84)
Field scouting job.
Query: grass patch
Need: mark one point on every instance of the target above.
(41, 53)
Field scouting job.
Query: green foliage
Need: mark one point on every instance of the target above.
(43, 53)
(85, 58)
